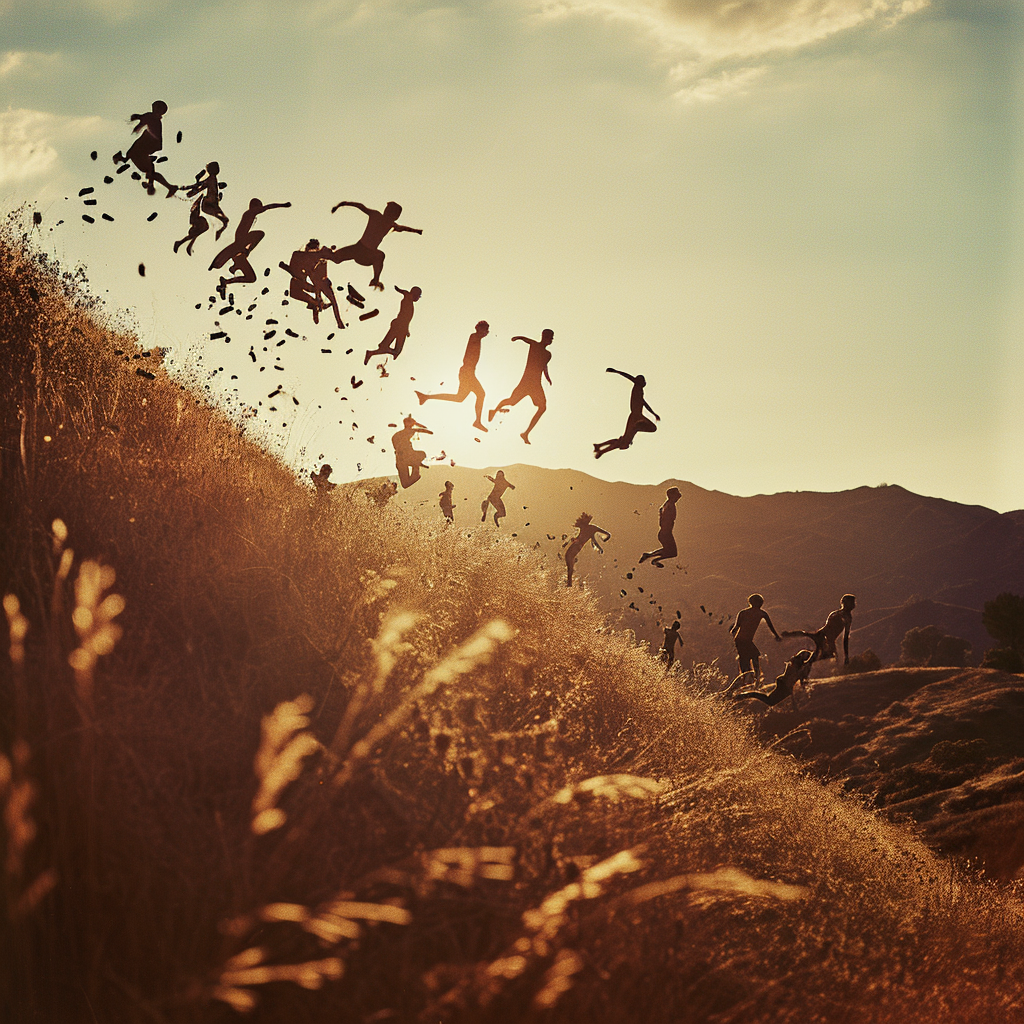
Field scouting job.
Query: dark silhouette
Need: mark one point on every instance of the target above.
(798, 668)
(310, 283)
(666, 521)
(501, 485)
(322, 481)
(144, 149)
(636, 421)
(743, 630)
(668, 649)
(206, 191)
(398, 332)
(587, 532)
(366, 252)
(446, 501)
(531, 385)
(468, 383)
(246, 239)
(408, 461)
(838, 621)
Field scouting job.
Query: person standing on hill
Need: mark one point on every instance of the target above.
(531, 385)
(587, 532)
(668, 649)
(468, 383)
(838, 621)
(408, 460)
(743, 630)
(494, 498)
(445, 501)
(666, 523)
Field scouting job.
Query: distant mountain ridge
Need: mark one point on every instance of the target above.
(801, 549)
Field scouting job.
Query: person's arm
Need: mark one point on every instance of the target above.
(621, 373)
(349, 202)
(402, 227)
(491, 478)
(651, 411)
(547, 376)
(768, 621)
(846, 642)
(520, 337)
(736, 625)
(273, 206)
(511, 487)
(401, 291)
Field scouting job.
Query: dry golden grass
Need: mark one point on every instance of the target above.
(299, 761)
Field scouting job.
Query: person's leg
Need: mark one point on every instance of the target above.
(483, 508)
(499, 510)
(198, 228)
(378, 268)
(476, 388)
(541, 408)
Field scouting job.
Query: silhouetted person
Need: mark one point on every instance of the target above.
(666, 522)
(310, 283)
(501, 485)
(636, 421)
(587, 532)
(207, 188)
(445, 501)
(408, 461)
(197, 225)
(246, 239)
(797, 669)
(668, 649)
(531, 384)
(838, 621)
(366, 252)
(322, 481)
(743, 630)
(398, 332)
(144, 149)
(468, 383)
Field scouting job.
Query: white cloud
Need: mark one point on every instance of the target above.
(28, 137)
(27, 62)
(716, 87)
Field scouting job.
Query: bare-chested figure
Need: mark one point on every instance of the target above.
(501, 485)
(310, 283)
(445, 501)
(743, 630)
(797, 669)
(206, 190)
(635, 422)
(468, 383)
(531, 385)
(144, 149)
(587, 532)
(668, 649)
(409, 461)
(838, 621)
(398, 332)
(366, 252)
(666, 523)
(246, 239)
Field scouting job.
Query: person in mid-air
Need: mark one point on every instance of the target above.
(144, 149)
(531, 385)
(635, 422)
(743, 630)
(398, 332)
(206, 190)
(797, 669)
(238, 251)
(468, 383)
(445, 501)
(366, 252)
(310, 283)
(666, 523)
(668, 649)
(838, 621)
(408, 460)
(587, 532)
(501, 485)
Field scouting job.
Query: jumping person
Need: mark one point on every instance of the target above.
(666, 522)
(445, 501)
(743, 630)
(838, 621)
(310, 283)
(246, 239)
(798, 668)
(408, 461)
(398, 332)
(531, 385)
(206, 191)
(144, 149)
(468, 383)
(501, 485)
(587, 532)
(668, 649)
(366, 252)
(635, 422)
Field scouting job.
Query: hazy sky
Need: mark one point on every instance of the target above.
(800, 219)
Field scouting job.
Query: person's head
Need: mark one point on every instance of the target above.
(255, 204)
(755, 600)
(500, 475)
(159, 108)
(325, 469)
(448, 485)
(848, 602)
(675, 626)
(547, 336)
(482, 328)
(392, 211)
(673, 493)
(313, 243)
(641, 380)
(408, 421)
(415, 292)
(213, 167)
(583, 520)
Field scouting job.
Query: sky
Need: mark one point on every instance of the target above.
(801, 220)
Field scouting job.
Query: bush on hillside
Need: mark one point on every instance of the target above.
(929, 645)
(866, 661)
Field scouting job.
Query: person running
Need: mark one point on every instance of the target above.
(838, 621)
(501, 485)
(366, 252)
(666, 522)
(144, 149)
(398, 332)
(207, 192)
(246, 239)
(636, 421)
(743, 630)
(446, 501)
(531, 385)
(408, 461)
(310, 283)
(468, 383)
(587, 532)
(668, 649)
(797, 669)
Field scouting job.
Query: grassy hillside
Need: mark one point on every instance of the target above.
(300, 759)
